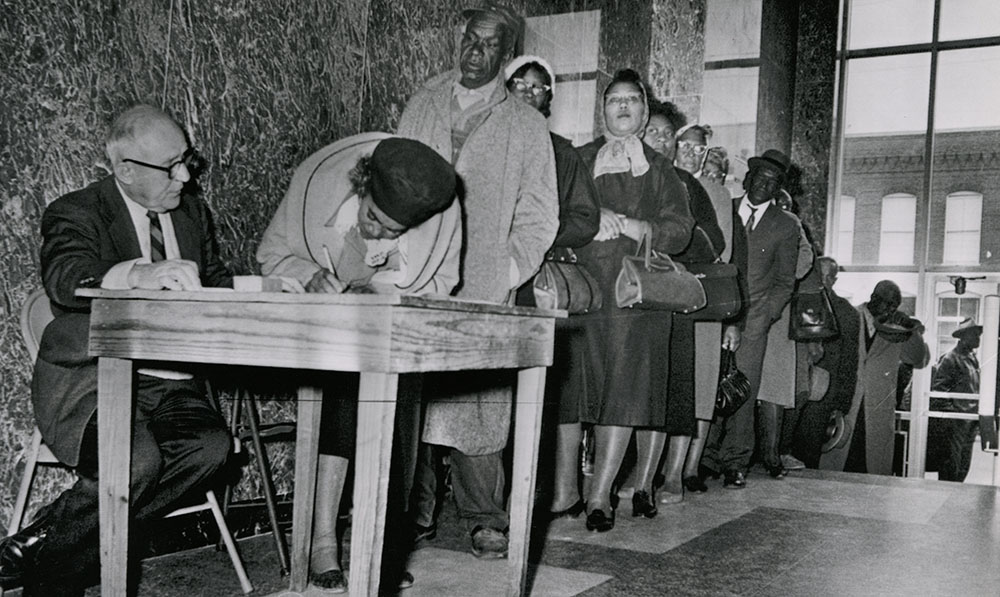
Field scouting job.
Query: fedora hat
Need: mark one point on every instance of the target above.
(772, 158)
(967, 327)
(836, 432)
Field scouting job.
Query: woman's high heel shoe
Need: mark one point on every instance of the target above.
(598, 521)
(643, 504)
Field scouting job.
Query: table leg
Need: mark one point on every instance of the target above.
(310, 406)
(527, 426)
(114, 452)
(373, 455)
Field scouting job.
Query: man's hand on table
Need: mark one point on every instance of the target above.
(172, 274)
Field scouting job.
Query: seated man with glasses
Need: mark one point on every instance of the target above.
(136, 228)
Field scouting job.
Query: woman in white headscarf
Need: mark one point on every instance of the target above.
(622, 379)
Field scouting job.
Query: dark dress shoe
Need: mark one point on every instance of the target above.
(598, 521)
(572, 512)
(734, 480)
(695, 484)
(778, 471)
(16, 552)
(643, 504)
(706, 473)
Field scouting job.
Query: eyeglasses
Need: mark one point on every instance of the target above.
(526, 87)
(190, 160)
(692, 147)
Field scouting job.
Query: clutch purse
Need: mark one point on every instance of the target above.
(562, 283)
(654, 281)
(734, 387)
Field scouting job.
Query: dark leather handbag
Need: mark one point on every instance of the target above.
(734, 387)
(562, 283)
(654, 281)
(812, 317)
(722, 290)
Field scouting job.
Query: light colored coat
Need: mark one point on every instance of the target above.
(511, 206)
(876, 393)
(293, 243)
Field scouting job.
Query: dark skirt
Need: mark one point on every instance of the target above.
(680, 418)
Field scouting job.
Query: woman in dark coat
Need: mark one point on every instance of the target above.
(622, 381)
(530, 79)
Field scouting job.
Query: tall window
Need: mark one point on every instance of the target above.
(896, 240)
(962, 227)
(917, 111)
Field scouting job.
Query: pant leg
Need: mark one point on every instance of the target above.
(423, 497)
(478, 483)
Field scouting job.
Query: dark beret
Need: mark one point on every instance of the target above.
(410, 182)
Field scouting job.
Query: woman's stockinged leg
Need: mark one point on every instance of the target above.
(566, 492)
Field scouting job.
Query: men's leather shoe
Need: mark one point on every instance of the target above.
(489, 544)
(17, 551)
(777, 471)
(734, 480)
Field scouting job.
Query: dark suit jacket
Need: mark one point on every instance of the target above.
(84, 234)
(766, 259)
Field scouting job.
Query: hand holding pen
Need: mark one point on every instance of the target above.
(325, 280)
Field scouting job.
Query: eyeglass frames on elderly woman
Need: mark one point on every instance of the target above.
(526, 87)
(695, 148)
(189, 160)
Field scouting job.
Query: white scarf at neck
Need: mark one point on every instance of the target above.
(621, 154)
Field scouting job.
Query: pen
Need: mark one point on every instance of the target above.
(329, 261)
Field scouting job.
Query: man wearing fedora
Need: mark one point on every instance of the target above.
(950, 441)
(765, 248)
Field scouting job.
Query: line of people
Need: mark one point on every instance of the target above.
(465, 200)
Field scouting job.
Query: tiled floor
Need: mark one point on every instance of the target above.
(814, 533)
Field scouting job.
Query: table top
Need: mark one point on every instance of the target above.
(403, 300)
(346, 332)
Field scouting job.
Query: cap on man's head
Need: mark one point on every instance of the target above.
(968, 327)
(772, 159)
(510, 18)
(410, 182)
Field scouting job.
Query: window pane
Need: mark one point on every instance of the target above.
(732, 30)
(879, 23)
(887, 95)
(898, 220)
(948, 307)
(729, 106)
(966, 171)
(968, 19)
(844, 250)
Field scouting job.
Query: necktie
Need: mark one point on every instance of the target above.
(156, 250)
(751, 220)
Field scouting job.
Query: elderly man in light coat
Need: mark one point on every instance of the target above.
(501, 150)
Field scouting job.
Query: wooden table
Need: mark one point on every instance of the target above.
(378, 336)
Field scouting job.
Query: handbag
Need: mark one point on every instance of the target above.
(563, 283)
(734, 387)
(812, 317)
(654, 281)
(722, 290)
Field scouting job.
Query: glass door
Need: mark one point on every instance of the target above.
(940, 423)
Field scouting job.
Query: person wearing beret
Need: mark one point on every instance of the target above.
(886, 338)
(950, 441)
(369, 213)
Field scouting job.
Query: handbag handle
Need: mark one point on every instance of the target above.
(645, 247)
